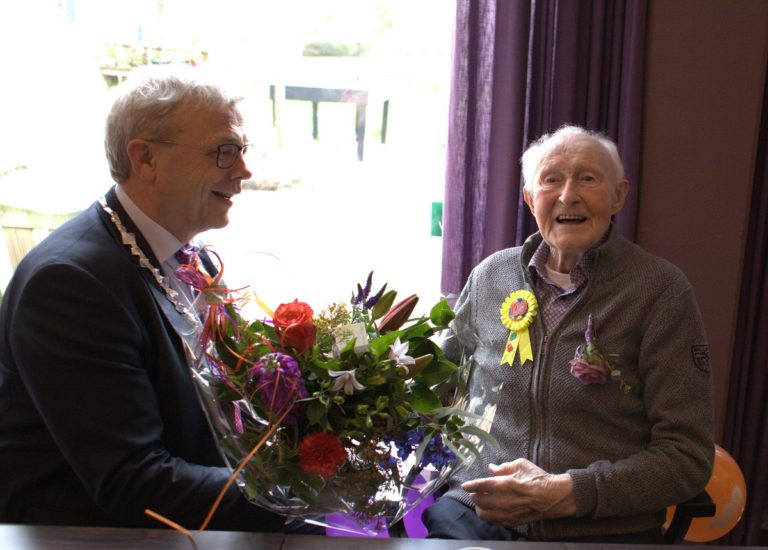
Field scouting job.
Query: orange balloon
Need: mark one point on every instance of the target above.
(728, 491)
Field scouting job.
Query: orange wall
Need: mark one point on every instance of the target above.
(706, 66)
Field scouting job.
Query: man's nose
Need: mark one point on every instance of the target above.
(569, 193)
(241, 166)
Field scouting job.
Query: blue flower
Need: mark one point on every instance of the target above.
(435, 452)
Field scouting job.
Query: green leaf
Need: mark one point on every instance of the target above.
(419, 345)
(304, 487)
(316, 412)
(423, 445)
(266, 331)
(332, 364)
(380, 345)
(375, 380)
(314, 481)
(454, 411)
(419, 328)
(463, 443)
(225, 392)
(441, 314)
(401, 410)
(482, 434)
(348, 348)
(423, 400)
(436, 372)
(223, 350)
(469, 446)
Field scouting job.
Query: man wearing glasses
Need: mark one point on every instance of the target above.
(99, 418)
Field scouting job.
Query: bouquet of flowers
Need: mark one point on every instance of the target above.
(341, 411)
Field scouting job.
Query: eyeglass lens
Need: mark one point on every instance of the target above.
(227, 154)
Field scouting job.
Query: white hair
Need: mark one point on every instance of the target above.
(146, 101)
(538, 150)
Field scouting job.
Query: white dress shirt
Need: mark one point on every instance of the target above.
(164, 246)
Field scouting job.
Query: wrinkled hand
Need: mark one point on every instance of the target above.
(520, 492)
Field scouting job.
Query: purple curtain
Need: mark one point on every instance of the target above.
(745, 434)
(523, 68)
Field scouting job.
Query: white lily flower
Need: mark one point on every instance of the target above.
(346, 380)
(398, 352)
(345, 333)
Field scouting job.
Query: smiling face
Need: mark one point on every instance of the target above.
(574, 194)
(190, 192)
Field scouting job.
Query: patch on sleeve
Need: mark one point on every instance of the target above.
(700, 354)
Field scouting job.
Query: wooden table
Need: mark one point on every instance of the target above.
(30, 537)
(342, 95)
(33, 537)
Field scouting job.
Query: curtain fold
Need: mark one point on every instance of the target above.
(745, 434)
(523, 68)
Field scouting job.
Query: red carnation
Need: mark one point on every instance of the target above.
(321, 453)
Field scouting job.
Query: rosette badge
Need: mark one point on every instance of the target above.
(517, 313)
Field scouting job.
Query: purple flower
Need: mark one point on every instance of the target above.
(368, 284)
(589, 334)
(360, 295)
(437, 453)
(363, 294)
(434, 453)
(373, 300)
(280, 384)
(188, 273)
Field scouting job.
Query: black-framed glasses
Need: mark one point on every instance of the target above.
(226, 153)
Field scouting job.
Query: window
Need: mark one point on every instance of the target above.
(329, 200)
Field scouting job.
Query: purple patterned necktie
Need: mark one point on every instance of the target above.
(185, 254)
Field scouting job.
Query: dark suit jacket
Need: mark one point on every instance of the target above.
(99, 418)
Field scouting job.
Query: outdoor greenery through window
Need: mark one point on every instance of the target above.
(346, 110)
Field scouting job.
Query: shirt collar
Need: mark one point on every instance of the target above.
(164, 245)
(580, 272)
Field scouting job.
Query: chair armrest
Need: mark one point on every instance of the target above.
(700, 506)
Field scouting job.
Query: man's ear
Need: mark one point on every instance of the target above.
(528, 198)
(142, 159)
(621, 194)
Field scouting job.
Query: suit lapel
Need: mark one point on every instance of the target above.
(114, 204)
(186, 326)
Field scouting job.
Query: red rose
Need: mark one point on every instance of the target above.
(292, 314)
(321, 454)
(299, 336)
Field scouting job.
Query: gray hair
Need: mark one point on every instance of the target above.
(146, 101)
(538, 150)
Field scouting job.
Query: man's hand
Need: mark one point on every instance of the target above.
(520, 492)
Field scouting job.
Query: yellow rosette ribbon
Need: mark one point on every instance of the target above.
(517, 313)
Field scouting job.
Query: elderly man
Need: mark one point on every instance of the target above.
(598, 353)
(99, 418)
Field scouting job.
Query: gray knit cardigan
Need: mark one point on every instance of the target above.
(630, 456)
